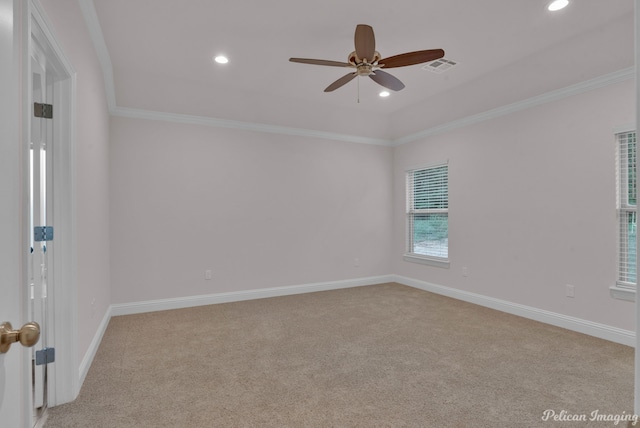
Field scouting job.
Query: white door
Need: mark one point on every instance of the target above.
(40, 247)
(13, 386)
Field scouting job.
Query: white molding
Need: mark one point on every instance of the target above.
(237, 296)
(246, 126)
(578, 88)
(588, 85)
(602, 331)
(429, 261)
(592, 84)
(623, 293)
(434, 164)
(93, 347)
(95, 31)
(627, 127)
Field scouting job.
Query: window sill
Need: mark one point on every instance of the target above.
(623, 293)
(441, 263)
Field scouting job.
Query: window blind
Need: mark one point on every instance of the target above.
(429, 189)
(627, 207)
(428, 211)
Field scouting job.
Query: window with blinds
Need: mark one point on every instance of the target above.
(627, 203)
(428, 212)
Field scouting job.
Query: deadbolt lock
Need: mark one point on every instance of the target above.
(28, 335)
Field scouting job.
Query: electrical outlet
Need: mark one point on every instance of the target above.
(356, 262)
(465, 271)
(208, 274)
(570, 290)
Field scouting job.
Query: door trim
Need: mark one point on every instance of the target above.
(62, 325)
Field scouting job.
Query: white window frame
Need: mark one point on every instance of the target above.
(625, 287)
(411, 211)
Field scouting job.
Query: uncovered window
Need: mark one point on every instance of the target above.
(428, 215)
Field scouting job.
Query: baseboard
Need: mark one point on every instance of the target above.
(93, 348)
(602, 331)
(237, 296)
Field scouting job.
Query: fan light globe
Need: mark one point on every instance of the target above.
(220, 59)
(557, 5)
(384, 94)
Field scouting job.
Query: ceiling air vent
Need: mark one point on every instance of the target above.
(440, 65)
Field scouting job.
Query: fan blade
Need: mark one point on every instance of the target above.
(320, 62)
(341, 81)
(411, 58)
(365, 42)
(387, 80)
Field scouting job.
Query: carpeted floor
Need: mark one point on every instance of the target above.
(376, 356)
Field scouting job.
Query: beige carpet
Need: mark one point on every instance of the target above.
(377, 356)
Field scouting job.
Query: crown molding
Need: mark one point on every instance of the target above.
(578, 88)
(558, 94)
(245, 126)
(95, 31)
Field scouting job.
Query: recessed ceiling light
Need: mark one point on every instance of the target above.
(557, 5)
(220, 59)
(384, 94)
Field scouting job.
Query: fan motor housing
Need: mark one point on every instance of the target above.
(357, 61)
(364, 67)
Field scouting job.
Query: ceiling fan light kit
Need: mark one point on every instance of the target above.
(368, 62)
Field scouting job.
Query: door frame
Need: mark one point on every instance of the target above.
(62, 322)
(13, 367)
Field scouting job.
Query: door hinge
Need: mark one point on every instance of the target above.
(45, 356)
(43, 233)
(43, 110)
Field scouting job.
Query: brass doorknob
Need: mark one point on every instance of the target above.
(28, 335)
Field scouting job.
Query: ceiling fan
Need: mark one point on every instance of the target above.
(368, 62)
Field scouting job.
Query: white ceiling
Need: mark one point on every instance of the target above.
(161, 52)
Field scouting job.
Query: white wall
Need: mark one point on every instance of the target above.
(259, 210)
(92, 158)
(532, 205)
